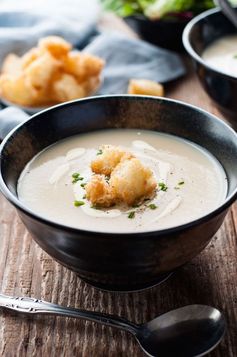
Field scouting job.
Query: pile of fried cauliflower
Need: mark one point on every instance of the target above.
(49, 73)
(119, 178)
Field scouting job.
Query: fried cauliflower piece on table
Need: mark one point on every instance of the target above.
(146, 87)
(132, 182)
(99, 192)
(107, 161)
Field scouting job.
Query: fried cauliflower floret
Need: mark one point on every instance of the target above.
(73, 65)
(29, 57)
(17, 90)
(83, 66)
(57, 46)
(129, 181)
(145, 87)
(93, 65)
(40, 71)
(11, 64)
(132, 182)
(91, 84)
(107, 161)
(99, 192)
(67, 88)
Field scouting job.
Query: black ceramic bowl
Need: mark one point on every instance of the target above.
(198, 34)
(163, 33)
(119, 261)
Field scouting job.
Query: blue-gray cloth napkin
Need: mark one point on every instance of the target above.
(125, 58)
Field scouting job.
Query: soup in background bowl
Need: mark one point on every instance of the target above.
(123, 255)
(222, 55)
(208, 32)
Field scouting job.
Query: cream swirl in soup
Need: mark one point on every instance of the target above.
(190, 182)
(222, 55)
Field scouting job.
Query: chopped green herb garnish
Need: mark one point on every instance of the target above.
(179, 184)
(84, 197)
(152, 206)
(99, 152)
(78, 203)
(75, 175)
(131, 215)
(76, 179)
(83, 185)
(162, 186)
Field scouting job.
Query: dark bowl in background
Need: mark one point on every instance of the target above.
(121, 261)
(198, 34)
(163, 33)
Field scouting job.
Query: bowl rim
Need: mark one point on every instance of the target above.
(13, 199)
(189, 48)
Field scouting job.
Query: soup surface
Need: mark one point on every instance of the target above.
(191, 182)
(222, 55)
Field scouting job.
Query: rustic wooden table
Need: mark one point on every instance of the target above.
(211, 278)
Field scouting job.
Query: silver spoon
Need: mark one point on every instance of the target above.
(227, 10)
(193, 330)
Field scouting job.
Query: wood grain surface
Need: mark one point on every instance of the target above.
(211, 278)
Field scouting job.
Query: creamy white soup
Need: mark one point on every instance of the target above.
(222, 55)
(191, 182)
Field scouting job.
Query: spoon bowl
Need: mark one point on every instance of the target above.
(190, 331)
(193, 330)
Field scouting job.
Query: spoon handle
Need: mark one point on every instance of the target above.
(29, 305)
(228, 10)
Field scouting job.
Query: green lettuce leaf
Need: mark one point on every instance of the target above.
(160, 8)
(157, 9)
(125, 8)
